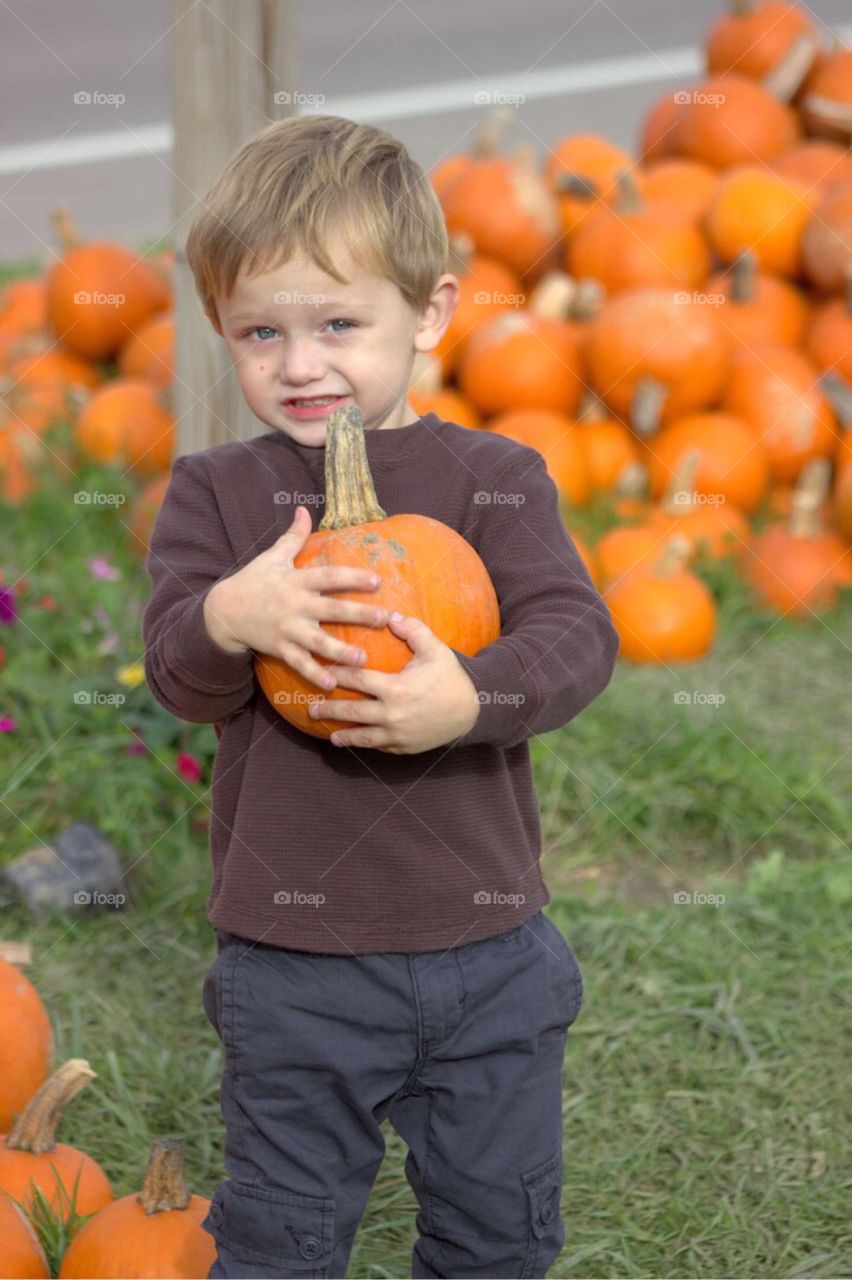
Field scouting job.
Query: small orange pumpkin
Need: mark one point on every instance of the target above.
(757, 307)
(149, 353)
(827, 241)
(21, 1254)
(731, 120)
(815, 162)
(773, 42)
(155, 1233)
(731, 466)
(826, 98)
(557, 439)
(757, 210)
(125, 422)
(427, 570)
(663, 613)
(26, 1041)
(144, 511)
(582, 170)
(522, 360)
(829, 336)
(30, 1154)
(685, 186)
(486, 288)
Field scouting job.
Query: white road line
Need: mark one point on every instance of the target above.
(394, 104)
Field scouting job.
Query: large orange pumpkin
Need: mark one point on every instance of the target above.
(757, 307)
(125, 422)
(21, 1255)
(796, 566)
(144, 511)
(770, 41)
(731, 120)
(776, 390)
(99, 293)
(30, 1154)
(731, 466)
(155, 1233)
(663, 613)
(557, 439)
(755, 209)
(815, 162)
(654, 354)
(522, 360)
(637, 244)
(685, 186)
(26, 1041)
(427, 570)
(486, 288)
(150, 352)
(827, 241)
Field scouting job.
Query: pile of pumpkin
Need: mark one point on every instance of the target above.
(155, 1233)
(672, 332)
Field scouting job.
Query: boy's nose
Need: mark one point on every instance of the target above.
(302, 364)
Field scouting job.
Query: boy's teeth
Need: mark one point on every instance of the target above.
(317, 400)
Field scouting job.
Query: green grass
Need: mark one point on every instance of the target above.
(706, 1096)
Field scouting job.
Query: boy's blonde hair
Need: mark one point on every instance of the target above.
(301, 180)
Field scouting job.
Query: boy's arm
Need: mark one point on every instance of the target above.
(187, 672)
(557, 647)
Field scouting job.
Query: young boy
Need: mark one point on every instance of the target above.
(377, 897)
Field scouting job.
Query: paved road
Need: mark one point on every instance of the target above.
(412, 66)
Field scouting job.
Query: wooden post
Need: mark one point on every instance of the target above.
(230, 60)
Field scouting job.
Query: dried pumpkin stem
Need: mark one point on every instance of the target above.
(628, 200)
(744, 277)
(553, 295)
(489, 137)
(786, 76)
(350, 496)
(591, 407)
(682, 483)
(164, 1186)
(675, 555)
(847, 288)
(632, 481)
(35, 1128)
(648, 399)
(63, 226)
(808, 497)
(742, 8)
(574, 184)
(839, 396)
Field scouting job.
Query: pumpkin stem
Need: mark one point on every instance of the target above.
(63, 226)
(35, 1128)
(675, 556)
(350, 496)
(461, 252)
(839, 396)
(489, 137)
(591, 407)
(164, 1186)
(553, 295)
(574, 184)
(680, 495)
(847, 288)
(786, 78)
(648, 399)
(742, 8)
(744, 277)
(628, 199)
(835, 114)
(808, 497)
(632, 482)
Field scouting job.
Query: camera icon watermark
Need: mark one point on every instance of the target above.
(697, 97)
(486, 898)
(284, 98)
(696, 698)
(93, 898)
(97, 698)
(497, 98)
(284, 497)
(483, 497)
(84, 298)
(685, 297)
(497, 697)
(493, 297)
(95, 98)
(295, 898)
(681, 898)
(284, 698)
(94, 498)
(683, 498)
(287, 298)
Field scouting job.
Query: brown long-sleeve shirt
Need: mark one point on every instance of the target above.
(355, 850)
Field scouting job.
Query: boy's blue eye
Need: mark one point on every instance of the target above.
(348, 323)
(267, 328)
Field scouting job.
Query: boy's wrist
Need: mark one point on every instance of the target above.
(216, 618)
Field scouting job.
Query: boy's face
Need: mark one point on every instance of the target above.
(295, 334)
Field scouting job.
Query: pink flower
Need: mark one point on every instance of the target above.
(109, 643)
(188, 767)
(8, 611)
(137, 749)
(100, 567)
(7, 724)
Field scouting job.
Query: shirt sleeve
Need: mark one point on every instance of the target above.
(557, 648)
(187, 672)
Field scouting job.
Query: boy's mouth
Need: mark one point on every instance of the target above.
(312, 406)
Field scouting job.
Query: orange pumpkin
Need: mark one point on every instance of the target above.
(23, 308)
(149, 353)
(586, 554)
(156, 1232)
(758, 210)
(557, 439)
(509, 211)
(796, 566)
(582, 170)
(21, 1255)
(125, 422)
(826, 98)
(427, 570)
(26, 1041)
(659, 134)
(654, 355)
(144, 511)
(731, 120)
(22, 453)
(521, 360)
(628, 547)
(732, 466)
(827, 241)
(663, 613)
(841, 500)
(486, 288)
(775, 390)
(756, 307)
(715, 529)
(686, 186)
(99, 293)
(772, 42)
(815, 162)
(607, 445)
(637, 244)
(829, 337)
(30, 1154)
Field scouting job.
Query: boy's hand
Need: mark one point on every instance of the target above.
(271, 607)
(430, 702)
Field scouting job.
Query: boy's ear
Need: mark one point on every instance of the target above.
(438, 313)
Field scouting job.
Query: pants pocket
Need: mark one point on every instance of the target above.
(260, 1232)
(570, 973)
(543, 1186)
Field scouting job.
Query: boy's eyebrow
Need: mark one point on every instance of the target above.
(339, 304)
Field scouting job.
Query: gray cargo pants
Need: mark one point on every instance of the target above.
(462, 1049)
